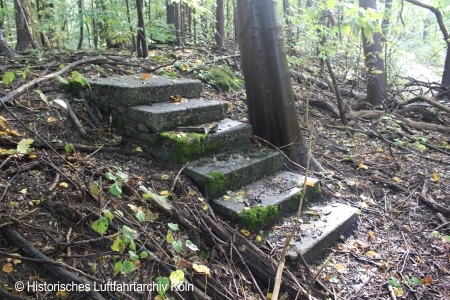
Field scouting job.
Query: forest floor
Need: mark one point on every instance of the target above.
(399, 247)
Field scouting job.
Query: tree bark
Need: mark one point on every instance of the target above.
(81, 24)
(142, 48)
(25, 39)
(270, 98)
(177, 24)
(4, 47)
(220, 23)
(133, 39)
(376, 75)
(43, 36)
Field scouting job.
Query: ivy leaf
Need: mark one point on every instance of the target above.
(61, 79)
(127, 266)
(140, 216)
(178, 246)
(191, 245)
(144, 254)
(162, 285)
(110, 176)
(23, 147)
(8, 77)
(173, 226)
(176, 277)
(117, 268)
(119, 244)
(107, 213)
(133, 255)
(116, 189)
(101, 225)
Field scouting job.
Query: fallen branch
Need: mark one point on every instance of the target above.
(11, 96)
(426, 199)
(427, 100)
(75, 119)
(32, 252)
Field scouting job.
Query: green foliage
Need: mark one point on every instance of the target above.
(258, 216)
(8, 77)
(222, 79)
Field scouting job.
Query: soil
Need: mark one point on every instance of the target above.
(398, 248)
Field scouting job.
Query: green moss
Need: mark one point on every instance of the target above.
(293, 205)
(185, 148)
(172, 55)
(222, 79)
(166, 73)
(216, 183)
(258, 216)
(120, 122)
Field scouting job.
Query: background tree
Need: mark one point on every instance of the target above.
(141, 44)
(4, 47)
(270, 98)
(376, 74)
(25, 39)
(220, 23)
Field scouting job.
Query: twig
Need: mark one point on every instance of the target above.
(176, 177)
(75, 119)
(318, 273)
(90, 112)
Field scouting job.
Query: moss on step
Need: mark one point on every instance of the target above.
(222, 79)
(295, 201)
(185, 148)
(258, 216)
(216, 183)
(166, 73)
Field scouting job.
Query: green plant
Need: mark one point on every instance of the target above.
(116, 187)
(178, 244)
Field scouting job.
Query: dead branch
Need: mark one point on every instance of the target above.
(11, 96)
(426, 199)
(75, 119)
(427, 100)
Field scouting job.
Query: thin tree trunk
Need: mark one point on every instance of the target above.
(131, 28)
(376, 75)
(270, 97)
(220, 23)
(42, 35)
(142, 48)
(177, 24)
(81, 23)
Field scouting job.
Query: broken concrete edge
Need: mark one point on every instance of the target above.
(338, 223)
(261, 216)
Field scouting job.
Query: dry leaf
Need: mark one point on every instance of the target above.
(145, 76)
(64, 184)
(435, 176)
(201, 269)
(372, 235)
(191, 192)
(133, 207)
(245, 232)
(398, 292)
(61, 294)
(182, 264)
(427, 281)
(165, 193)
(340, 268)
(362, 166)
(23, 191)
(51, 119)
(397, 179)
(258, 238)
(7, 268)
(225, 197)
(176, 98)
(371, 253)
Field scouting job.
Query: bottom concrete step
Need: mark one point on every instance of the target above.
(258, 204)
(322, 227)
(226, 171)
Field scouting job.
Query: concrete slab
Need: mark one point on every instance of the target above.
(181, 147)
(323, 224)
(169, 115)
(130, 90)
(226, 171)
(266, 199)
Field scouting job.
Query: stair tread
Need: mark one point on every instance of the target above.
(239, 167)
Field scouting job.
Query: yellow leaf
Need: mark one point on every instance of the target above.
(205, 207)
(23, 146)
(191, 192)
(258, 238)
(165, 193)
(225, 197)
(362, 166)
(201, 269)
(371, 253)
(379, 149)
(23, 191)
(269, 296)
(133, 207)
(435, 176)
(310, 182)
(138, 149)
(51, 119)
(340, 268)
(12, 132)
(3, 123)
(176, 98)
(64, 184)
(372, 235)
(145, 76)
(398, 292)
(245, 232)
(62, 294)
(240, 193)
(7, 268)
(397, 179)
(32, 156)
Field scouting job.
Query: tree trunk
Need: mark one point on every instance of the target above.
(170, 12)
(177, 24)
(376, 75)
(386, 17)
(81, 24)
(270, 97)
(220, 23)
(25, 39)
(131, 28)
(41, 16)
(4, 47)
(142, 48)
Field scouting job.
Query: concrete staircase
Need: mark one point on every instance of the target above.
(242, 181)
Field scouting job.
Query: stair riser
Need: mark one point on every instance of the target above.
(215, 176)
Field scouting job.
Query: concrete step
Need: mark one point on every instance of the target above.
(181, 147)
(226, 171)
(169, 115)
(258, 204)
(132, 90)
(322, 226)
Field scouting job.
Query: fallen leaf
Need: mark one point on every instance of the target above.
(397, 179)
(145, 76)
(51, 119)
(165, 193)
(225, 197)
(372, 235)
(191, 192)
(258, 238)
(435, 176)
(371, 253)
(201, 269)
(7, 268)
(23, 191)
(61, 294)
(133, 207)
(427, 281)
(245, 232)
(398, 292)
(64, 184)
(340, 268)
(182, 264)
(176, 98)
(362, 166)
(138, 149)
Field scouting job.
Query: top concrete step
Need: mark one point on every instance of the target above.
(132, 90)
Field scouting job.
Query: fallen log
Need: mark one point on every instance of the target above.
(11, 96)
(427, 100)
